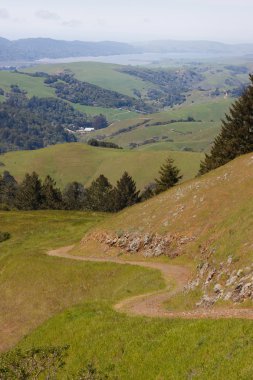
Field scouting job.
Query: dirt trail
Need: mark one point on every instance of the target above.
(151, 304)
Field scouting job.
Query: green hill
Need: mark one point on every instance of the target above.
(214, 208)
(186, 127)
(69, 302)
(206, 222)
(83, 163)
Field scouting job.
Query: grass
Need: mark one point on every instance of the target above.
(33, 86)
(111, 114)
(34, 287)
(71, 301)
(83, 163)
(208, 208)
(56, 301)
(101, 74)
(142, 348)
(197, 135)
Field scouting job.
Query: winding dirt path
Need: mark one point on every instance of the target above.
(152, 304)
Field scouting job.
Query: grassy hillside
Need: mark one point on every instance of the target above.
(80, 162)
(101, 74)
(33, 86)
(196, 135)
(74, 299)
(34, 287)
(216, 209)
(71, 301)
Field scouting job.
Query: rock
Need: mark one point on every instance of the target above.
(134, 245)
(239, 273)
(229, 261)
(227, 296)
(231, 280)
(159, 250)
(210, 276)
(203, 269)
(218, 288)
(206, 301)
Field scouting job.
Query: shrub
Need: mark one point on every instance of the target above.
(4, 236)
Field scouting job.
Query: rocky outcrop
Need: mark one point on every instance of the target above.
(148, 244)
(222, 282)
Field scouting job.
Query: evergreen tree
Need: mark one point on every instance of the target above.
(169, 176)
(74, 196)
(148, 192)
(8, 189)
(125, 193)
(52, 197)
(99, 195)
(236, 136)
(29, 194)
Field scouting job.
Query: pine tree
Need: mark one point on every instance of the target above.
(74, 196)
(99, 195)
(29, 194)
(52, 197)
(148, 192)
(8, 189)
(125, 193)
(236, 136)
(169, 176)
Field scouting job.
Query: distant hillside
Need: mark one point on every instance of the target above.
(199, 47)
(31, 49)
(83, 163)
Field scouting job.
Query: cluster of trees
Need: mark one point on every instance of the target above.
(69, 88)
(34, 194)
(103, 144)
(236, 136)
(38, 122)
(170, 85)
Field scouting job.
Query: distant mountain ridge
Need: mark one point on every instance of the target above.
(32, 49)
(174, 46)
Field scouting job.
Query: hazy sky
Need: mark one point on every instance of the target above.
(128, 20)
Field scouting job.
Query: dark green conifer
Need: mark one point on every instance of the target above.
(52, 197)
(169, 176)
(29, 194)
(125, 193)
(236, 136)
(99, 195)
(8, 189)
(74, 196)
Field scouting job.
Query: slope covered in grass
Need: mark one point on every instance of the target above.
(216, 210)
(83, 163)
(171, 128)
(34, 286)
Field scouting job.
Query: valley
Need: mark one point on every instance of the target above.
(163, 288)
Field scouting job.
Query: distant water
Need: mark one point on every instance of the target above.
(136, 59)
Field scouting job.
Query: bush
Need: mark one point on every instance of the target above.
(4, 236)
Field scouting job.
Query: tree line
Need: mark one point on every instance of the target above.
(36, 194)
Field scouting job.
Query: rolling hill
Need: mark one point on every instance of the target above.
(83, 163)
(74, 299)
(206, 222)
